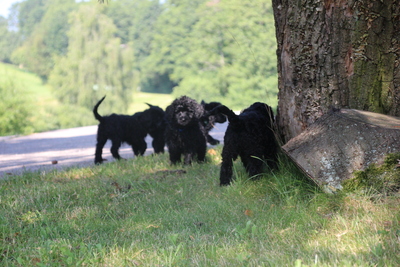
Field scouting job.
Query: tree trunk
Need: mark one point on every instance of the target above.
(336, 53)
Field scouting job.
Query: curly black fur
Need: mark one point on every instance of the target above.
(184, 134)
(249, 135)
(156, 128)
(129, 129)
(210, 120)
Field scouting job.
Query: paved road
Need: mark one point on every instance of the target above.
(68, 147)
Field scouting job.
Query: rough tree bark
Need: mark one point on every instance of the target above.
(336, 53)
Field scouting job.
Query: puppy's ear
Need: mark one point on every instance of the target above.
(198, 111)
(169, 111)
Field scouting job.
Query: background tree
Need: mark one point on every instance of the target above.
(30, 13)
(135, 22)
(231, 54)
(344, 54)
(46, 39)
(208, 49)
(8, 41)
(15, 110)
(96, 63)
(171, 29)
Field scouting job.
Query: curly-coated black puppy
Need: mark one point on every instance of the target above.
(249, 135)
(184, 134)
(209, 121)
(156, 128)
(129, 129)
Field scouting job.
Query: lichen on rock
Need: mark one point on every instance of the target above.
(384, 178)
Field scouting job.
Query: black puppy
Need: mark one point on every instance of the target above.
(249, 135)
(184, 134)
(209, 121)
(156, 129)
(129, 129)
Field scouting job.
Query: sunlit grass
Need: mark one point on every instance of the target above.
(145, 212)
(140, 99)
(29, 82)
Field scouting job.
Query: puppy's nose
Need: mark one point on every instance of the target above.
(182, 117)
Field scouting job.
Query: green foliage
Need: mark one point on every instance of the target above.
(144, 212)
(96, 63)
(46, 40)
(222, 51)
(55, 25)
(27, 105)
(8, 41)
(14, 110)
(209, 50)
(63, 117)
(45, 112)
(168, 45)
(137, 26)
(30, 13)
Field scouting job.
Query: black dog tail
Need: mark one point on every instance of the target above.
(150, 105)
(232, 117)
(96, 114)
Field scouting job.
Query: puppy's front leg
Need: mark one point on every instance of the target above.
(174, 157)
(139, 148)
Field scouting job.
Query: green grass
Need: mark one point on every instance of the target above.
(29, 82)
(143, 212)
(140, 99)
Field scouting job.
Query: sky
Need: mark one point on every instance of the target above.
(5, 5)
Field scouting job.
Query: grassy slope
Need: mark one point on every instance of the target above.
(139, 100)
(37, 92)
(38, 97)
(136, 213)
(49, 113)
(27, 81)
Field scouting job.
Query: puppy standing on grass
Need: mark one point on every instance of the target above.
(156, 128)
(249, 135)
(184, 133)
(129, 129)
